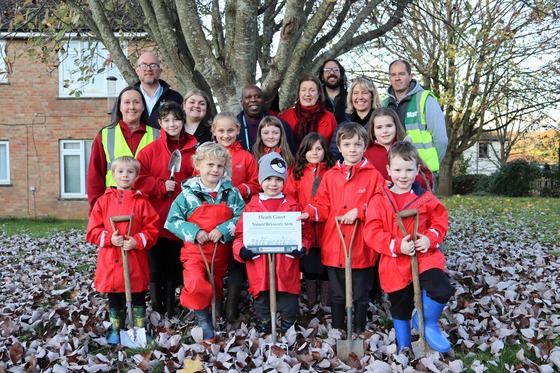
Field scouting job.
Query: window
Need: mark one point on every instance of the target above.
(483, 150)
(74, 161)
(3, 68)
(4, 162)
(84, 71)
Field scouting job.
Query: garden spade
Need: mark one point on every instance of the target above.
(344, 348)
(273, 306)
(421, 348)
(174, 166)
(210, 272)
(134, 337)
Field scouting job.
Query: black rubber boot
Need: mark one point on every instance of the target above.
(311, 290)
(156, 292)
(360, 318)
(338, 312)
(232, 302)
(170, 299)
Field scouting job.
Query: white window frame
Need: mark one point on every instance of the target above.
(99, 86)
(6, 145)
(82, 152)
(3, 69)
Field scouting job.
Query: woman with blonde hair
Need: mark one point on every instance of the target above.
(362, 100)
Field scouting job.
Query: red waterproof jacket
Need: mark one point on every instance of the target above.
(326, 127)
(109, 276)
(342, 189)
(301, 191)
(154, 172)
(244, 171)
(383, 234)
(377, 155)
(287, 266)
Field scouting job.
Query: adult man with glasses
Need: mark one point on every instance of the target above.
(333, 76)
(156, 91)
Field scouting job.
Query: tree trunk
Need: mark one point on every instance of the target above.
(445, 179)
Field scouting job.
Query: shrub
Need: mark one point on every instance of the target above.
(471, 184)
(514, 179)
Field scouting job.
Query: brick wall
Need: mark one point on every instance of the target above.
(33, 120)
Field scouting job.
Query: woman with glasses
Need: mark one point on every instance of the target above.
(309, 114)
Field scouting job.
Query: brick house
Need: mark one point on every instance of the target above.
(46, 131)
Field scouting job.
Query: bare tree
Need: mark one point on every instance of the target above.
(220, 46)
(490, 62)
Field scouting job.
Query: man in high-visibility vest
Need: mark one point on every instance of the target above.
(419, 112)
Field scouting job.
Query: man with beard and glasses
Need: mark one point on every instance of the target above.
(156, 91)
(253, 111)
(333, 77)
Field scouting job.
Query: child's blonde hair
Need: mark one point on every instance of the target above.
(125, 160)
(225, 115)
(259, 147)
(212, 150)
(349, 130)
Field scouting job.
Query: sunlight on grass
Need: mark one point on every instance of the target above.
(39, 228)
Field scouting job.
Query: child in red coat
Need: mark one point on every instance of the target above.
(154, 180)
(273, 171)
(344, 192)
(109, 277)
(271, 137)
(383, 234)
(245, 177)
(313, 159)
(385, 129)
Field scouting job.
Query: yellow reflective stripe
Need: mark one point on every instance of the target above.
(115, 146)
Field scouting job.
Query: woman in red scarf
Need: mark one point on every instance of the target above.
(309, 114)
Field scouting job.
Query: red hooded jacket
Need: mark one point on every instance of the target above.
(301, 191)
(244, 171)
(383, 234)
(287, 266)
(109, 271)
(154, 172)
(342, 189)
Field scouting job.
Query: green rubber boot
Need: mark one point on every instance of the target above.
(116, 317)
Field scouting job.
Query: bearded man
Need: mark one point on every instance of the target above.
(333, 77)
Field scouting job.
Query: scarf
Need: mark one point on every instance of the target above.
(307, 120)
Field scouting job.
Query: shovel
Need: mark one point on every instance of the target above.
(132, 338)
(344, 348)
(174, 166)
(273, 308)
(210, 272)
(422, 347)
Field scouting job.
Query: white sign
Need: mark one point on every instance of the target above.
(272, 232)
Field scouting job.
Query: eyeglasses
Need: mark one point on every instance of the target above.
(331, 69)
(152, 66)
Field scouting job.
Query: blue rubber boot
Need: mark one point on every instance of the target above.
(433, 334)
(403, 333)
(204, 320)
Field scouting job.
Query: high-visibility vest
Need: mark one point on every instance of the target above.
(415, 126)
(115, 146)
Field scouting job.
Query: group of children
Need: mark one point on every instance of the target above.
(218, 181)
